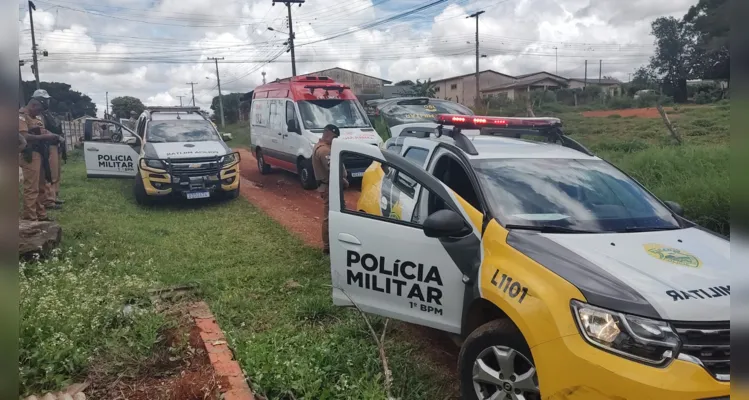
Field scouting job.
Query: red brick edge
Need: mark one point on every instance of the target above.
(232, 381)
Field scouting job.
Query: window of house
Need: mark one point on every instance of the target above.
(454, 86)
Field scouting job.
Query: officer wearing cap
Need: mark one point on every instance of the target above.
(56, 151)
(33, 160)
(132, 121)
(321, 166)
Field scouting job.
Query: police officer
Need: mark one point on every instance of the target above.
(132, 121)
(321, 166)
(34, 160)
(56, 151)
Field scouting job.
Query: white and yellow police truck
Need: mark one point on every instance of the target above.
(564, 276)
(173, 151)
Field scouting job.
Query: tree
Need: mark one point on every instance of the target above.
(123, 105)
(424, 89)
(673, 54)
(406, 82)
(708, 23)
(64, 102)
(231, 107)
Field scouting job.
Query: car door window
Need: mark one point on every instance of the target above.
(395, 201)
(408, 186)
(290, 112)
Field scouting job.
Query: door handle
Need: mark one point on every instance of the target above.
(92, 149)
(285, 135)
(347, 238)
(279, 133)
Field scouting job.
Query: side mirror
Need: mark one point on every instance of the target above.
(292, 126)
(445, 223)
(226, 136)
(675, 207)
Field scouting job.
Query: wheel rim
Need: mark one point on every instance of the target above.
(260, 161)
(501, 373)
(304, 174)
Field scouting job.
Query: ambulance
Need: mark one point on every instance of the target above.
(287, 120)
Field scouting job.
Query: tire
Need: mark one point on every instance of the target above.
(261, 165)
(141, 197)
(500, 335)
(230, 195)
(306, 174)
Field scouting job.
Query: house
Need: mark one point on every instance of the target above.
(365, 87)
(526, 83)
(612, 87)
(462, 89)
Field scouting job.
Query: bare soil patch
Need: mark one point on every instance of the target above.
(650, 112)
(178, 370)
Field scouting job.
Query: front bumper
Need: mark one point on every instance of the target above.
(171, 181)
(569, 367)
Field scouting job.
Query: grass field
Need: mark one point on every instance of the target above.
(267, 290)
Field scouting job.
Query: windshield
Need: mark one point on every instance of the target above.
(398, 114)
(342, 113)
(180, 131)
(585, 195)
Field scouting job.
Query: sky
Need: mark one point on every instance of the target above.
(151, 49)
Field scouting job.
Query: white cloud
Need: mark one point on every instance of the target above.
(518, 36)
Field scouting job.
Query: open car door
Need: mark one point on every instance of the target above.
(110, 149)
(406, 266)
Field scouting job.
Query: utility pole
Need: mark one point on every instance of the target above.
(600, 71)
(556, 60)
(218, 82)
(180, 100)
(629, 80)
(21, 96)
(35, 66)
(477, 99)
(192, 86)
(291, 30)
(586, 73)
(106, 113)
(263, 73)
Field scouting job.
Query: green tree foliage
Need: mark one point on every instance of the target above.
(121, 106)
(708, 23)
(231, 107)
(673, 53)
(65, 102)
(406, 82)
(424, 89)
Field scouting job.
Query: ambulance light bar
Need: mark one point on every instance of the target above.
(478, 122)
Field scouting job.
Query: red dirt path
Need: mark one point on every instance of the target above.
(632, 112)
(281, 196)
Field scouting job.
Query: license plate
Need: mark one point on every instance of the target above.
(198, 195)
(357, 174)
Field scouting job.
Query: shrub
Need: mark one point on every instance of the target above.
(622, 102)
(703, 98)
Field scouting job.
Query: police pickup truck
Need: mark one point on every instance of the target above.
(564, 276)
(173, 151)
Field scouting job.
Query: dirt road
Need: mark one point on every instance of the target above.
(281, 196)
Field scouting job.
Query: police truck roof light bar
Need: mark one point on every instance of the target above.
(549, 128)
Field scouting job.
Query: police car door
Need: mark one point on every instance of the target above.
(110, 149)
(398, 192)
(392, 267)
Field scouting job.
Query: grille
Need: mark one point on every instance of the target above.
(710, 343)
(195, 166)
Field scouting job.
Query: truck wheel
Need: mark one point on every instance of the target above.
(141, 197)
(231, 194)
(261, 165)
(496, 362)
(306, 174)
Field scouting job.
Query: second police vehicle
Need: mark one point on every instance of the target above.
(563, 275)
(173, 151)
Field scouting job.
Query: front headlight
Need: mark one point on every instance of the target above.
(230, 159)
(153, 163)
(641, 339)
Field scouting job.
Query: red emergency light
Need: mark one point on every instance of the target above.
(478, 121)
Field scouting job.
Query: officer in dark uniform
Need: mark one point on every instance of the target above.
(321, 166)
